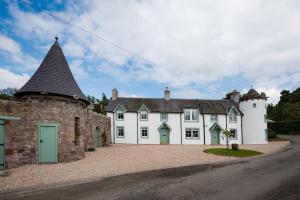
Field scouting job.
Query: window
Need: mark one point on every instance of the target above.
(232, 117)
(254, 105)
(214, 118)
(191, 115)
(120, 132)
(164, 117)
(266, 134)
(144, 132)
(77, 131)
(120, 116)
(192, 133)
(233, 134)
(144, 115)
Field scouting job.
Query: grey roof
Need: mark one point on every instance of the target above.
(173, 105)
(53, 77)
(252, 94)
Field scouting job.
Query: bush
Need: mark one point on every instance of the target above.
(234, 147)
(285, 127)
(90, 149)
(271, 134)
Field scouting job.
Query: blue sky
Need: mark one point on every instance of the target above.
(196, 48)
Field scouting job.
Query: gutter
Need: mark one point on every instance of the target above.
(180, 128)
(114, 128)
(242, 129)
(137, 128)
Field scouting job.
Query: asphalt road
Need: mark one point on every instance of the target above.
(273, 177)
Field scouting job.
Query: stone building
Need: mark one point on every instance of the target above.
(53, 121)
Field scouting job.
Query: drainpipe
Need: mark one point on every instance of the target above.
(180, 128)
(226, 121)
(137, 128)
(114, 128)
(242, 129)
(204, 129)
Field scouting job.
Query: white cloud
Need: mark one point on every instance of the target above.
(10, 79)
(186, 94)
(77, 69)
(9, 45)
(192, 43)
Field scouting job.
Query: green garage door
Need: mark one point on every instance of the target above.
(2, 144)
(48, 144)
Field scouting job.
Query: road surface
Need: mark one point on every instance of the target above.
(273, 177)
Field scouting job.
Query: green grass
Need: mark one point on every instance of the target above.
(242, 153)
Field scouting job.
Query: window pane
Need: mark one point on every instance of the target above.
(187, 115)
(194, 115)
(188, 133)
(195, 133)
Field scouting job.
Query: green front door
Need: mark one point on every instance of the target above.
(97, 137)
(2, 144)
(164, 136)
(215, 136)
(48, 144)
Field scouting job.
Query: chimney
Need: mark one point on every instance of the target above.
(167, 94)
(114, 94)
(263, 95)
(234, 96)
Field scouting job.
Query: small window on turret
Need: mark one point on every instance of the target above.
(254, 105)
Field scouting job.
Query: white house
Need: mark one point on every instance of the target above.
(188, 121)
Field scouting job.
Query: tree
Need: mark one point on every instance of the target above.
(99, 105)
(227, 134)
(8, 93)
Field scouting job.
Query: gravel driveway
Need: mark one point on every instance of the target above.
(119, 159)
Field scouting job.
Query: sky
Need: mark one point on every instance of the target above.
(198, 48)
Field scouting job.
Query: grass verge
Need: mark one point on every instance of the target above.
(242, 153)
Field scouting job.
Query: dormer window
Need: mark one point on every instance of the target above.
(144, 115)
(120, 116)
(144, 111)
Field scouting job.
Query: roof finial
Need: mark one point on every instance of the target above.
(56, 38)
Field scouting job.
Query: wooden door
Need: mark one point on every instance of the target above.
(48, 144)
(164, 136)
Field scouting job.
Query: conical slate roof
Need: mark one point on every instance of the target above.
(253, 94)
(53, 77)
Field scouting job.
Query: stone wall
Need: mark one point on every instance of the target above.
(21, 137)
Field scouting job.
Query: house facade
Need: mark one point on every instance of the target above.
(188, 121)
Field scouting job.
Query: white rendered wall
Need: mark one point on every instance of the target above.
(130, 128)
(188, 124)
(153, 123)
(254, 124)
(222, 123)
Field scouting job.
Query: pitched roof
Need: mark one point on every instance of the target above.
(53, 77)
(253, 94)
(173, 105)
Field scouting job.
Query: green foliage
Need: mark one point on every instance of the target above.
(286, 114)
(99, 105)
(237, 153)
(227, 134)
(271, 134)
(8, 93)
(285, 127)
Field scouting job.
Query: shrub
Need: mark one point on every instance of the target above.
(285, 127)
(271, 134)
(90, 149)
(234, 146)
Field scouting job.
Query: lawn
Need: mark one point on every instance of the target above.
(242, 153)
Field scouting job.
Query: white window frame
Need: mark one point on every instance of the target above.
(117, 115)
(233, 138)
(191, 115)
(214, 118)
(145, 113)
(234, 117)
(144, 128)
(117, 131)
(161, 117)
(192, 137)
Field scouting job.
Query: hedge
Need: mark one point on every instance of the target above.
(285, 127)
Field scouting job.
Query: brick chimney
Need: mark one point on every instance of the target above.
(114, 94)
(167, 94)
